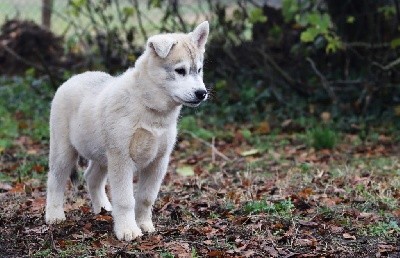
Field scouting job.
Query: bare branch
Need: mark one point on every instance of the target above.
(214, 150)
(324, 81)
(21, 59)
(139, 19)
(388, 66)
(366, 45)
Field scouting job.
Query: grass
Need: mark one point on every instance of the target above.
(383, 228)
(322, 138)
(25, 110)
(283, 208)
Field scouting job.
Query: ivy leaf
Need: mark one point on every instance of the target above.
(350, 19)
(257, 16)
(334, 43)
(128, 11)
(308, 35)
(395, 43)
(324, 22)
(185, 171)
(289, 9)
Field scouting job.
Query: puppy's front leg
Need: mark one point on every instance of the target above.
(149, 183)
(121, 170)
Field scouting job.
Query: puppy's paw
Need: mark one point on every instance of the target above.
(125, 233)
(105, 205)
(55, 216)
(147, 226)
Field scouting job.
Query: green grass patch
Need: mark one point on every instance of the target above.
(25, 110)
(390, 228)
(190, 125)
(282, 208)
(322, 138)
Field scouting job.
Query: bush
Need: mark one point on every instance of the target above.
(299, 58)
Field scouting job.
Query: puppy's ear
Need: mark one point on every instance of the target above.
(161, 44)
(200, 34)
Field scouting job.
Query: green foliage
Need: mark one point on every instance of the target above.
(395, 43)
(256, 15)
(189, 124)
(315, 23)
(25, 110)
(320, 24)
(112, 32)
(322, 138)
(32, 167)
(166, 255)
(283, 208)
(289, 9)
(9, 128)
(384, 228)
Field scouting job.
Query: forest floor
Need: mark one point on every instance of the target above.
(231, 201)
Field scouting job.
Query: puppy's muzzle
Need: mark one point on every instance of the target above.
(201, 95)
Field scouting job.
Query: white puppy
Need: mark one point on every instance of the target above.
(125, 126)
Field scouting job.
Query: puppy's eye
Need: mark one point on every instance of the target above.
(199, 71)
(180, 71)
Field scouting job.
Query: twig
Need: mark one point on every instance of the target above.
(388, 66)
(175, 8)
(396, 4)
(78, 28)
(21, 59)
(46, 69)
(121, 20)
(209, 145)
(365, 45)
(324, 81)
(270, 60)
(346, 82)
(213, 150)
(139, 19)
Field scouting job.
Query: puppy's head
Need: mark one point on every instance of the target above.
(175, 64)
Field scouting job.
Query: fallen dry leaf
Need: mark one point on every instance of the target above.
(216, 253)
(185, 171)
(5, 186)
(18, 188)
(348, 236)
(386, 248)
(304, 242)
(250, 152)
(106, 218)
(308, 223)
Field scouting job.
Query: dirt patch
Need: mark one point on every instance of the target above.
(24, 44)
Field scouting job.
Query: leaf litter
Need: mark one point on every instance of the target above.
(288, 201)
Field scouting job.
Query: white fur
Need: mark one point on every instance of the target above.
(125, 126)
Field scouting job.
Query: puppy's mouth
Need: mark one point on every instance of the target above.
(193, 103)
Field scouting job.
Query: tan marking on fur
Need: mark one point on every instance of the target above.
(185, 49)
(143, 147)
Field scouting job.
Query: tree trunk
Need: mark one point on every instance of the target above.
(47, 6)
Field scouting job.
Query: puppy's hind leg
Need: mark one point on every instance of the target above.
(96, 178)
(61, 163)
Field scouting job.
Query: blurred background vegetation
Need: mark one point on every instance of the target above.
(315, 66)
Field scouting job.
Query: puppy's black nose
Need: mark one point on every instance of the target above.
(200, 94)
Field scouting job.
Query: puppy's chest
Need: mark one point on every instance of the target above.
(148, 143)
